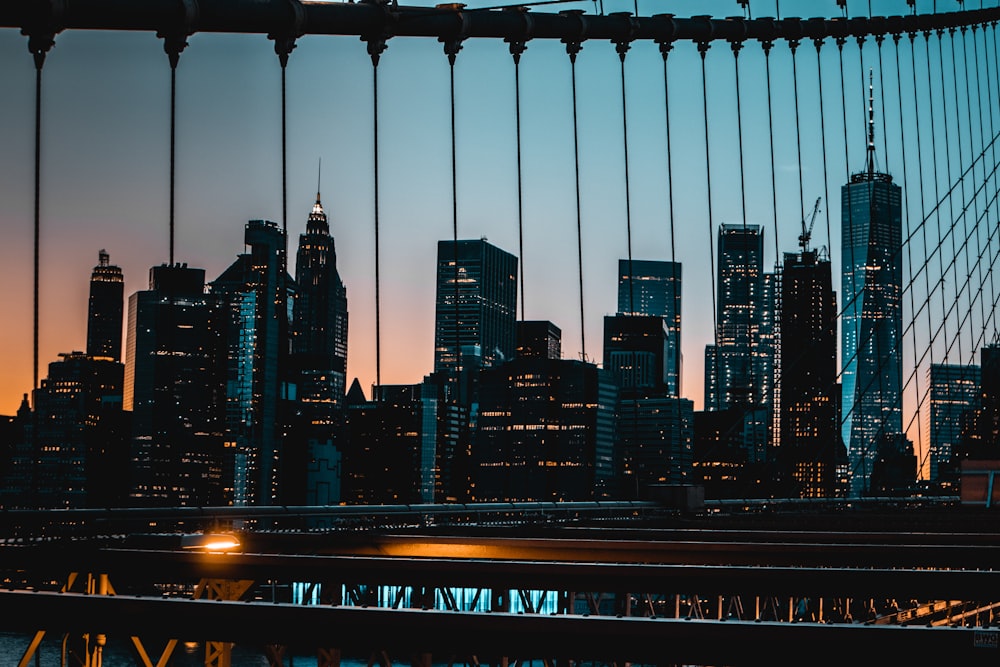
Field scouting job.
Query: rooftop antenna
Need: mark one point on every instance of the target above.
(319, 178)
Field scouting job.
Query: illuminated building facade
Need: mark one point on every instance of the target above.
(105, 310)
(256, 295)
(484, 281)
(730, 368)
(319, 353)
(810, 437)
(954, 396)
(546, 430)
(872, 317)
(175, 388)
(653, 288)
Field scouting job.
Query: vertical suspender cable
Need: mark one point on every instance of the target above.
(920, 179)
(39, 61)
(766, 46)
(906, 219)
(996, 70)
(737, 45)
(665, 51)
(454, 212)
(720, 390)
(822, 133)
(975, 198)
(982, 140)
(964, 203)
(573, 48)
(951, 208)
(516, 49)
(934, 162)
(375, 48)
(793, 45)
(173, 116)
(622, 48)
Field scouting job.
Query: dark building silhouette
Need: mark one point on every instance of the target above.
(78, 456)
(483, 279)
(255, 292)
(731, 367)
(104, 311)
(981, 427)
(319, 357)
(545, 431)
(651, 287)
(653, 443)
(175, 389)
(872, 319)
(955, 399)
(396, 443)
(722, 464)
(539, 338)
(810, 445)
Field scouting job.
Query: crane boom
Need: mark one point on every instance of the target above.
(807, 230)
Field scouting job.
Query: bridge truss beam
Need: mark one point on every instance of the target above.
(379, 20)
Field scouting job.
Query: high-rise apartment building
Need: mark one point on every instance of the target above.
(730, 369)
(175, 388)
(955, 398)
(105, 310)
(653, 288)
(256, 294)
(872, 314)
(476, 303)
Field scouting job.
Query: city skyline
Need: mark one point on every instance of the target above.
(246, 181)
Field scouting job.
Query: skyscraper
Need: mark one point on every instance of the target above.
(649, 287)
(740, 256)
(476, 303)
(319, 355)
(955, 398)
(872, 320)
(104, 312)
(175, 388)
(319, 324)
(810, 434)
(255, 293)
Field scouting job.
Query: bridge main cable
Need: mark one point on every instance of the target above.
(265, 16)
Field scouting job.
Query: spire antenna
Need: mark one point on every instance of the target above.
(319, 178)
(871, 124)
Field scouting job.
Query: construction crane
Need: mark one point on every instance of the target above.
(807, 231)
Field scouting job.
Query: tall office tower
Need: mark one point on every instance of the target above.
(954, 391)
(545, 432)
(73, 452)
(872, 320)
(319, 352)
(104, 312)
(175, 388)
(810, 432)
(635, 352)
(256, 293)
(729, 367)
(766, 363)
(648, 287)
(483, 278)
(319, 324)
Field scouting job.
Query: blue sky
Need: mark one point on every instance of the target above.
(105, 167)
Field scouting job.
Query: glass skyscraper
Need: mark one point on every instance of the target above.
(955, 398)
(483, 279)
(653, 288)
(730, 369)
(872, 315)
